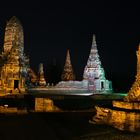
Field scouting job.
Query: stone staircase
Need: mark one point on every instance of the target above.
(102, 115)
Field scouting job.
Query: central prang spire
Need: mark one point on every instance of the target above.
(13, 28)
(14, 69)
(68, 73)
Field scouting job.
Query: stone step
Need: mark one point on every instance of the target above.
(97, 119)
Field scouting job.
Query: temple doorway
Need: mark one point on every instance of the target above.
(16, 82)
(102, 85)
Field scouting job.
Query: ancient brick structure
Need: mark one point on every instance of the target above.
(41, 79)
(94, 72)
(124, 115)
(68, 73)
(134, 92)
(14, 64)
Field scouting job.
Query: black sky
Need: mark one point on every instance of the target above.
(51, 28)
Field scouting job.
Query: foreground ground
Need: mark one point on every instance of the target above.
(58, 126)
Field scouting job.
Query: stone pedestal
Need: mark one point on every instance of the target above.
(45, 105)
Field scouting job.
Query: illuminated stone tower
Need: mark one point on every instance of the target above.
(13, 28)
(94, 72)
(134, 92)
(68, 73)
(41, 79)
(14, 64)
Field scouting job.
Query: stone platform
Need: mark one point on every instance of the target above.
(120, 119)
(122, 115)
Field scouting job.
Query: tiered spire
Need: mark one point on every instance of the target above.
(14, 70)
(41, 79)
(93, 67)
(94, 72)
(134, 92)
(68, 73)
(94, 41)
(13, 28)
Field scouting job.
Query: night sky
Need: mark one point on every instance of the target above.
(53, 27)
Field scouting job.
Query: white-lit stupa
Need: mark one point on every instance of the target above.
(94, 76)
(94, 72)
